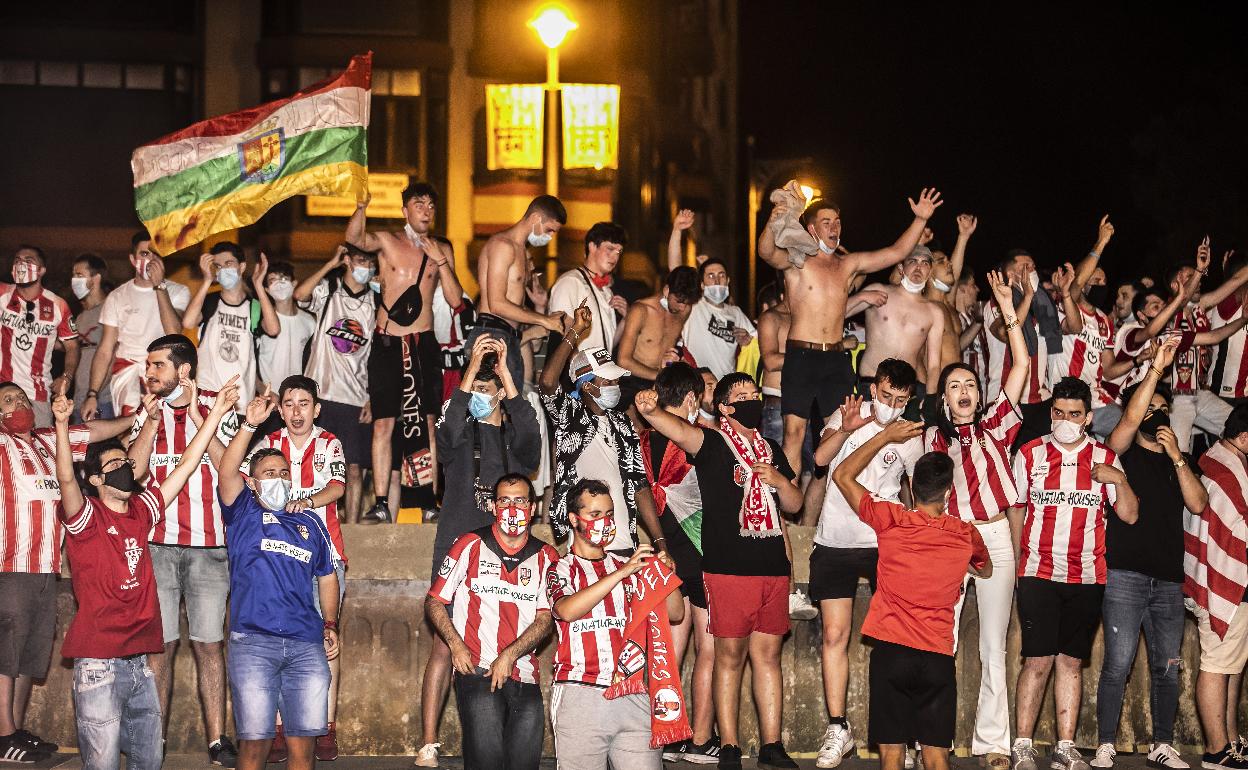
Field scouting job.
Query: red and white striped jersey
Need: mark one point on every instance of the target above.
(589, 646)
(495, 595)
(1229, 378)
(1192, 363)
(319, 464)
(193, 518)
(1080, 356)
(1215, 566)
(1129, 342)
(1000, 361)
(30, 529)
(28, 331)
(1064, 525)
(983, 481)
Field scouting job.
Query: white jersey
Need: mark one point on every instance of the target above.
(1229, 377)
(1063, 537)
(317, 465)
(338, 361)
(30, 529)
(227, 346)
(588, 647)
(839, 525)
(28, 332)
(282, 356)
(1080, 356)
(1128, 343)
(573, 288)
(135, 313)
(708, 335)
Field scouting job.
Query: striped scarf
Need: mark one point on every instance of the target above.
(1215, 567)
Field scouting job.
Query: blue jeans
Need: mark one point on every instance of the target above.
(1133, 601)
(502, 729)
(269, 674)
(117, 712)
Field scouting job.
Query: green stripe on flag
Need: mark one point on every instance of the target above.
(223, 176)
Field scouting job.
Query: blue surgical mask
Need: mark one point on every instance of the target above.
(362, 274)
(538, 240)
(375, 286)
(228, 277)
(481, 406)
(716, 293)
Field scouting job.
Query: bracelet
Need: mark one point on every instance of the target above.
(659, 539)
(331, 625)
(1094, 254)
(92, 393)
(1157, 372)
(1011, 324)
(248, 426)
(1180, 464)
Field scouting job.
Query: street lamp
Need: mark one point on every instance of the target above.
(552, 26)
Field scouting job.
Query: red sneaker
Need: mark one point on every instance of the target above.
(277, 751)
(327, 745)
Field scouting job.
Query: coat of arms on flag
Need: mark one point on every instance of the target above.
(260, 157)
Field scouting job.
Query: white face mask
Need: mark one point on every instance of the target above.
(705, 415)
(80, 286)
(281, 290)
(362, 274)
(825, 248)
(228, 277)
(716, 294)
(884, 414)
(375, 286)
(663, 304)
(910, 286)
(941, 286)
(274, 493)
(608, 397)
(1033, 278)
(174, 394)
(538, 240)
(1066, 432)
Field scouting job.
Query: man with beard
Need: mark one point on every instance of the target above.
(818, 371)
(650, 337)
(188, 546)
(405, 360)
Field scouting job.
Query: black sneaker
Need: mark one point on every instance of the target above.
(221, 752)
(704, 754)
(773, 757)
(674, 752)
(730, 757)
(47, 747)
(1226, 759)
(18, 751)
(378, 514)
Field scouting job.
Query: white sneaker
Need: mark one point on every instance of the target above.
(428, 755)
(1163, 755)
(800, 607)
(1066, 757)
(909, 762)
(1023, 754)
(1105, 754)
(837, 742)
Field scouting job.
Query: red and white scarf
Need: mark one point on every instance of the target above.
(759, 517)
(647, 662)
(1215, 572)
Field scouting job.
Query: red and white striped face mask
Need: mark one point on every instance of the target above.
(512, 520)
(598, 532)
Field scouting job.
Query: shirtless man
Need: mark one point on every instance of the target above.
(817, 368)
(773, 332)
(946, 270)
(650, 337)
(503, 272)
(411, 265)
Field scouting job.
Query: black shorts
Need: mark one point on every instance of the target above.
(914, 696)
(343, 420)
(688, 559)
(822, 378)
(1058, 618)
(27, 623)
(630, 386)
(914, 407)
(834, 572)
(386, 373)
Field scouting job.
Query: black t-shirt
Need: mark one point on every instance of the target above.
(1153, 545)
(724, 550)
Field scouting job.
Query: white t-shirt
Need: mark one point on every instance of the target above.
(839, 525)
(574, 287)
(601, 461)
(282, 356)
(227, 347)
(338, 360)
(135, 313)
(708, 335)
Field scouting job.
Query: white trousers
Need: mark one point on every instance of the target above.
(1203, 410)
(995, 596)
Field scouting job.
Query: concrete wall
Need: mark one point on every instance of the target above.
(385, 645)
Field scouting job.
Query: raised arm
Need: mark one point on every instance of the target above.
(1215, 336)
(675, 252)
(847, 419)
(556, 362)
(1016, 382)
(997, 328)
(170, 318)
(871, 261)
(684, 435)
(194, 313)
(767, 250)
(966, 228)
(1063, 281)
(303, 292)
(269, 322)
(845, 475)
(229, 480)
(1088, 264)
(227, 397)
(576, 606)
(71, 494)
(1123, 435)
(935, 333)
(356, 234)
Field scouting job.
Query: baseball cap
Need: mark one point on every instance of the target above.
(596, 361)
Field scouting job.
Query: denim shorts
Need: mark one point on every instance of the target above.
(201, 576)
(269, 674)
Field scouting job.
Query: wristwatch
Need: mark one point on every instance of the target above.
(162, 286)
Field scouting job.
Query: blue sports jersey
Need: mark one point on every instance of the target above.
(275, 558)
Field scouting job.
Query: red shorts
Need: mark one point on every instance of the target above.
(742, 604)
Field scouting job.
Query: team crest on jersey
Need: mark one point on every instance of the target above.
(268, 518)
(890, 457)
(303, 531)
(666, 705)
(526, 575)
(632, 659)
(318, 462)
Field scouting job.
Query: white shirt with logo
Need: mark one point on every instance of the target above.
(708, 335)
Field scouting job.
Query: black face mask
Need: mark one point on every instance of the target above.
(121, 478)
(748, 413)
(1151, 423)
(1097, 294)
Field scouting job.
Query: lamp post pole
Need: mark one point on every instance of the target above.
(552, 153)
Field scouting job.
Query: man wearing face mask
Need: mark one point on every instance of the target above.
(594, 438)
(134, 314)
(946, 270)
(228, 319)
(341, 296)
(188, 546)
(30, 565)
(281, 640)
(118, 619)
(494, 579)
(905, 324)
(503, 271)
(89, 283)
(650, 337)
(487, 430)
(281, 355)
(716, 328)
(33, 321)
(845, 547)
(1067, 483)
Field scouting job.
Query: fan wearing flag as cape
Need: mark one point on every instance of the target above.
(617, 694)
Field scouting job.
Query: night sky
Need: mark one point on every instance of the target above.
(1038, 122)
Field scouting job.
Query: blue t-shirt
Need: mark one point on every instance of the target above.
(275, 558)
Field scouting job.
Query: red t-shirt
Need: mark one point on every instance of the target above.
(118, 613)
(919, 574)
